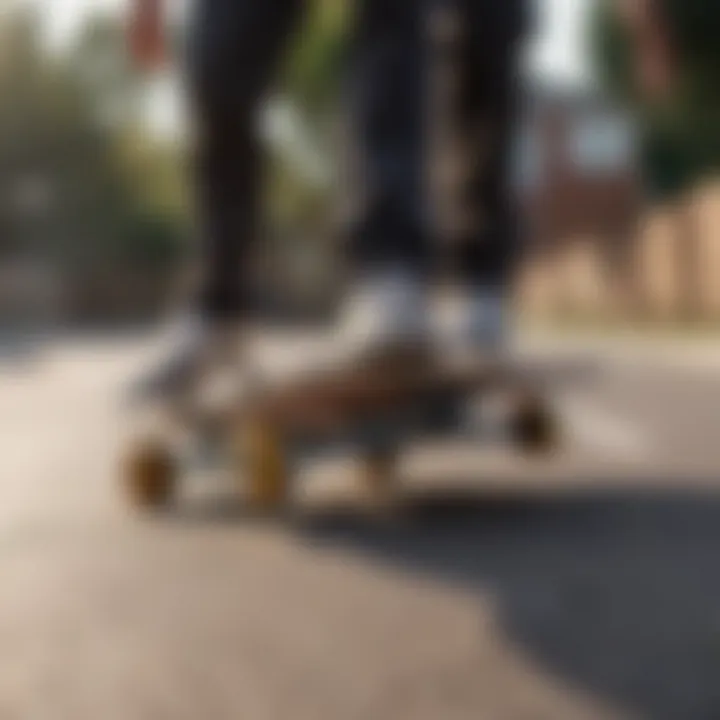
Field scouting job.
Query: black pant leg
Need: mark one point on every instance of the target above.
(387, 94)
(234, 49)
(487, 112)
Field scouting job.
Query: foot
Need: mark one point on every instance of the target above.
(196, 347)
(484, 323)
(386, 316)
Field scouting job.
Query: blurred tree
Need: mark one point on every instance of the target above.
(681, 141)
(85, 187)
(313, 75)
(302, 125)
(81, 186)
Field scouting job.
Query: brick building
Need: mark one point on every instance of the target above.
(582, 198)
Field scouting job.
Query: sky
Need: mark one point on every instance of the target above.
(558, 52)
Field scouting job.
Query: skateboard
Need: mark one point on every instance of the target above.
(375, 412)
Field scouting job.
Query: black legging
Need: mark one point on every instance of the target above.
(235, 48)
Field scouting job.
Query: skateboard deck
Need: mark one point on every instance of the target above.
(423, 398)
(374, 409)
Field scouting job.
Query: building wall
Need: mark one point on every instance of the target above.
(581, 197)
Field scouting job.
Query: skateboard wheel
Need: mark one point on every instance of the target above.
(265, 464)
(534, 426)
(149, 475)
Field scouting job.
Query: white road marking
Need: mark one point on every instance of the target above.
(639, 351)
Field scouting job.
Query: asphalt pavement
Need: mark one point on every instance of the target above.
(583, 586)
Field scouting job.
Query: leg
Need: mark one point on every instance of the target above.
(234, 52)
(387, 93)
(388, 239)
(234, 49)
(486, 113)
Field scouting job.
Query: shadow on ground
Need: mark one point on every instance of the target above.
(617, 592)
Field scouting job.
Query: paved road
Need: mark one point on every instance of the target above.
(584, 588)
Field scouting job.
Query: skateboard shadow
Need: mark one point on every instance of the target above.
(617, 592)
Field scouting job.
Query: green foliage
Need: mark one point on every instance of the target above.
(681, 140)
(311, 87)
(314, 68)
(612, 52)
(80, 185)
(300, 205)
(696, 25)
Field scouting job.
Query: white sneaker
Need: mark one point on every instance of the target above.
(386, 312)
(484, 323)
(195, 346)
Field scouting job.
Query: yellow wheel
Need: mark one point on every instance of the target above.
(149, 474)
(534, 426)
(265, 465)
